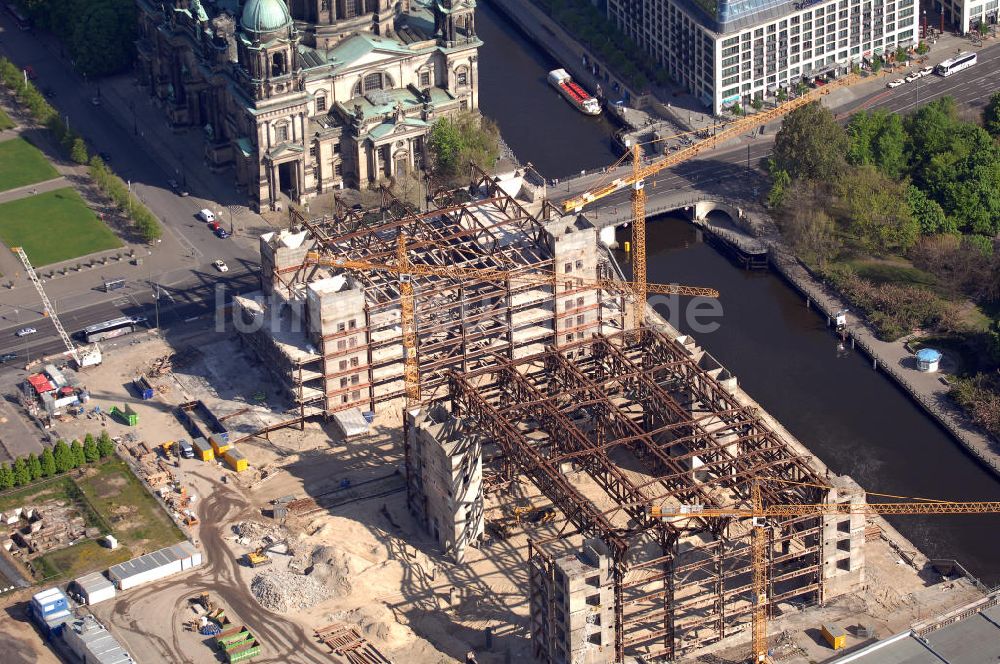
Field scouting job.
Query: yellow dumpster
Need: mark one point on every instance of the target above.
(835, 636)
(203, 450)
(235, 459)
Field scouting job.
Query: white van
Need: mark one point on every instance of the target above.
(206, 216)
(187, 451)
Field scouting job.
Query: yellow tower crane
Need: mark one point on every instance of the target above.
(406, 270)
(758, 513)
(636, 180)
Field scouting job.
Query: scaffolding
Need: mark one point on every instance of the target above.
(638, 421)
(460, 324)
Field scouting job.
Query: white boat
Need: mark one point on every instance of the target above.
(574, 93)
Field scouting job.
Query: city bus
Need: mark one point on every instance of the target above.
(958, 63)
(109, 329)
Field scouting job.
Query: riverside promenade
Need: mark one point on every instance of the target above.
(929, 390)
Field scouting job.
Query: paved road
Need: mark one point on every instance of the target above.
(179, 304)
(723, 172)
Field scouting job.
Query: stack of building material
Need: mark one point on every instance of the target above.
(346, 641)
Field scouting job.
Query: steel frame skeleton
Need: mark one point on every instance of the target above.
(639, 396)
(459, 324)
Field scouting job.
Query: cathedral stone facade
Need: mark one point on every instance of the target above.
(302, 98)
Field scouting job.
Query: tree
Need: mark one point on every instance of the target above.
(79, 458)
(879, 215)
(927, 212)
(902, 55)
(922, 48)
(90, 450)
(34, 466)
(105, 445)
(811, 144)
(991, 115)
(758, 102)
(79, 151)
(22, 475)
(782, 95)
(461, 139)
(48, 463)
(780, 180)
(877, 63)
(810, 231)
(6, 476)
(736, 109)
(878, 138)
(63, 456)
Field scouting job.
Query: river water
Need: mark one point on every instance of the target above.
(853, 418)
(535, 121)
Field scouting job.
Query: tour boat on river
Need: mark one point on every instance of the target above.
(574, 93)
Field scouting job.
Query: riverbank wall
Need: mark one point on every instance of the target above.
(926, 390)
(545, 33)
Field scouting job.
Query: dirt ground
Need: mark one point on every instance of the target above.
(19, 642)
(368, 563)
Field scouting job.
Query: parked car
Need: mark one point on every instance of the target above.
(926, 71)
(96, 101)
(214, 226)
(912, 77)
(25, 331)
(222, 233)
(895, 83)
(206, 215)
(221, 266)
(7, 357)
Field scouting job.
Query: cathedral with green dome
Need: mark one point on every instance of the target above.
(301, 97)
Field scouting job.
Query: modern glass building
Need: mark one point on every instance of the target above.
(729, 51)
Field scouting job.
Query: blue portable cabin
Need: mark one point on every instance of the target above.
(50, 609)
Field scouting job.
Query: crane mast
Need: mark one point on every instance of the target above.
(759, 514)
(50, 312)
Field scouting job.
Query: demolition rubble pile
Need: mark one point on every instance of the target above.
(285, 591)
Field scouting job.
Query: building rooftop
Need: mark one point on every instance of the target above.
(287, 330)
(99, 644)
(732, 15)
(974, 639)
(92, 583)
(152, 560)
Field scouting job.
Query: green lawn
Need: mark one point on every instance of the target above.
(891, 270)
(54, 226)
(111, 499)
(134, 516)
(5, 121)
(21, 163)
(79, 559)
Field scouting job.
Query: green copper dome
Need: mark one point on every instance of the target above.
(265, 16)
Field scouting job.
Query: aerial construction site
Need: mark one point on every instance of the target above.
(469, 441)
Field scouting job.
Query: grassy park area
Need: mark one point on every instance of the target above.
(21, 163)
(110, 498)
(54, 226)
(5, 121)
